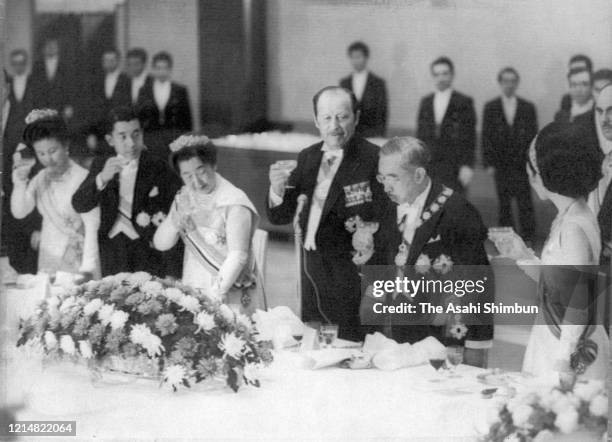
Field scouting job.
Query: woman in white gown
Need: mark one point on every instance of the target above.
(216, 222)
(566, 337)
(68, 240)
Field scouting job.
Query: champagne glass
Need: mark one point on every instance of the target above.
(454, 355)
(297, 332)
(287, 166)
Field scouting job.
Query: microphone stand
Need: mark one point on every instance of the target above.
(298, 241)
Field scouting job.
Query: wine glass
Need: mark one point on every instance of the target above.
(437, 362)
(287, 166)
(297, 332)
(454, 355)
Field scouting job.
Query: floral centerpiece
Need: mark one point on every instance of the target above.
(140, 324)
(547, 413)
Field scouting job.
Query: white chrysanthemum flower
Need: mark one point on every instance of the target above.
(227, 313)
(118, 319)
(92, 306)
(521, 415)
(174, 375)
(143, 219)
(423, 264)
(544, 436)
(106, 313)
(205, 321)
(152, 288)
(67, 304)
(141, 335)
(173, 294)
(121, 277)
(53, 302)
(50, 340)
(567, 421)
(514, 437)
(458, 331)
(91, 285)
(85, 349)
(139, 278)
(190, 303)
(244, 320)
(561, 403)
(599, 406)
(67, 344)
(232, 345)
(588, 390)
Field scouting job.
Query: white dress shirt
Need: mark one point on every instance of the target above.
(412, 213)
(127, 183)
(51, 67)
(161, 93)
(19, 86)
(358, 82)
(579, 109)
(110, 81)
(137, 84)
(320, 194)
(509, 105)
(440, 104)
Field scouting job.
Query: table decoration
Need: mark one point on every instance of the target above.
(143, 325)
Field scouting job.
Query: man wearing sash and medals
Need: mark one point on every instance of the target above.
(68, 240)
(430, 228)
(216, 222)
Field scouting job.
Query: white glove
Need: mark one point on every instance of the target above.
(466, 173)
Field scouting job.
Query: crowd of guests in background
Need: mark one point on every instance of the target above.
(162, 104)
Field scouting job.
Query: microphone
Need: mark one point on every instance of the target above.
(301, 202)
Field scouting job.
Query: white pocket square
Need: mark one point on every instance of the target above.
(154, 192)
(434, 239)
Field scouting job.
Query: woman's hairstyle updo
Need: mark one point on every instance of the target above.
(48, 125)
(568, 164)
(187, 147)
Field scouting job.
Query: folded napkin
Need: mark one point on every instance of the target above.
(327, 357)
(279, 325)
(389, 355)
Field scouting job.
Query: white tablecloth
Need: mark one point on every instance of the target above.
(292, 403)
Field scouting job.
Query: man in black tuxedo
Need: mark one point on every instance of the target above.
(111, 88)
(509, 124)
(447, 124)
(134, 191)
(581, 91)
(52, 83)
(135, 67)
(18, 235)
(428, 221)
(337, 176)
(164, 107)
(578, 61)
(370, 91)
(600, 199)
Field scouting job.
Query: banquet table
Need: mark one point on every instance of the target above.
(292, 403)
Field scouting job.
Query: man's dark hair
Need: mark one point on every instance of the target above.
(508, 70)
(207, 153)
(119, 114)
(582, 58)
(115, 51)
(139, 53)
(162, 56)
(443, 60)
(577, 71)
(603, 74)
(17, 52)
(354, 102)
(359, 46)
(565, 160)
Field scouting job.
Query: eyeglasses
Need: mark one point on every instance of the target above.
(382, 179)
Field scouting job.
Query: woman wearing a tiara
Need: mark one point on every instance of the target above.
(68, 240)
(216, 221)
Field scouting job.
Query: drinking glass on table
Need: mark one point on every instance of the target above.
(454, 356)
(297, 332)
(328, 335)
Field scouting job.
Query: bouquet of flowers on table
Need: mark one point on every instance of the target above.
(553, 413)
(139, 324)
